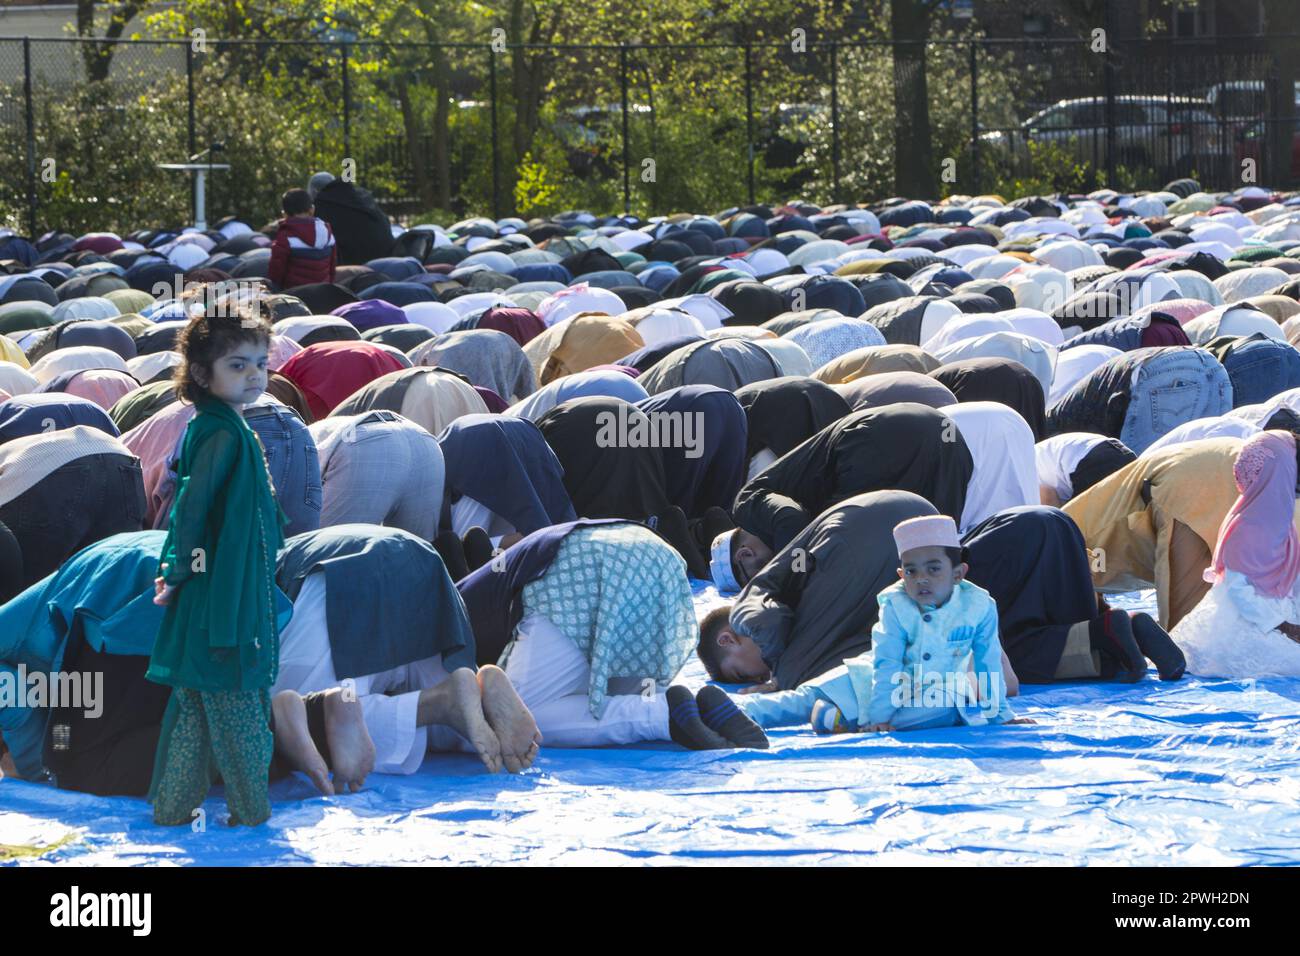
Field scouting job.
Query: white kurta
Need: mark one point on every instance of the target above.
(551, 676)
(389, 699)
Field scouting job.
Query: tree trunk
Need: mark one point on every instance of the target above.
(441, 118)
(419, 162)
(909, 22)
(1280, 132)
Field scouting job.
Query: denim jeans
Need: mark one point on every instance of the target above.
(73, 506)
(1170, 389)
(293, 463)
(1259, 370)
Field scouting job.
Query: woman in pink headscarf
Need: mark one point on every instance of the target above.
(1248, 625)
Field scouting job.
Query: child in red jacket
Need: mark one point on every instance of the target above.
(303, 252)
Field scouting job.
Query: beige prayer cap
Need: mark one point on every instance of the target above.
(926, 531)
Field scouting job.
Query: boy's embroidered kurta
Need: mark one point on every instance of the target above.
(919, 651)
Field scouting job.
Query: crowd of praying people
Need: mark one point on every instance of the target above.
(331, 495)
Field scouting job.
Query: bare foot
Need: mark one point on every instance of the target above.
(455, 703)
(351, 749)
(509, 718)
(293, 740)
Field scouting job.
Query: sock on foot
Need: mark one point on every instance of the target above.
(1111, 635)
(684, 723)
(670, 525)
(721, 715)
(478, 548)
(829, 719)
(1156, 644)
(452, 552)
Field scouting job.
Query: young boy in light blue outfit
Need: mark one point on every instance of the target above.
(935, 661)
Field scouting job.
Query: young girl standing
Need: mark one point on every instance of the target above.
(218, 645)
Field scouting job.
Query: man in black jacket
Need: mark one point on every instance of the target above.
(361, 229)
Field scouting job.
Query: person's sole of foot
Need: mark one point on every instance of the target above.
(686, 727)
(351, 749)
(509, 719)
(721, 715)
(1119, 629)
(459, 705)
(1156, 644)
(293, 740)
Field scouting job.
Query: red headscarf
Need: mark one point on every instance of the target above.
(1258, 537)
(329, 372)
(522, 325)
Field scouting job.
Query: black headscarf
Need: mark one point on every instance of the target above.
(1103, 460)
(997, 380)
(605, 480)
(782, 413)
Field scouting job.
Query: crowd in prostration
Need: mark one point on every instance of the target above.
(330, 495)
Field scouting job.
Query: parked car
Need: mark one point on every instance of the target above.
(1250, 145)
(1241, 99)
(1173, 135)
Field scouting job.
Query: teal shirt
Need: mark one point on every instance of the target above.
(921, 657)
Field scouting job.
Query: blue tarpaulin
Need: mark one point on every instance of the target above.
(1201, 771)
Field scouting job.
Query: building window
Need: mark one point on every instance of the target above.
(1034, 24)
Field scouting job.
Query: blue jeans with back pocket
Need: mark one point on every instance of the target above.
(1170, 389)
(293, 463)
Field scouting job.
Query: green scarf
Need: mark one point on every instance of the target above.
(219, 632)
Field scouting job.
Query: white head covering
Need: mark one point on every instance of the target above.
(1259, 414)
(1033, 354)
(1036, 324)
(575, 299)
(1002, 446)
(75, 359)
(1067, 254)
(463, 305)
(298, 327)
(145, 367)
(790, 358)
(16, 380)
(1074, 365)
(437, 317)
(724, 579)
(90, 307)
(1243, 283)
(655, 324)
(965, 327)
(1232, 320)
(1220, 426)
